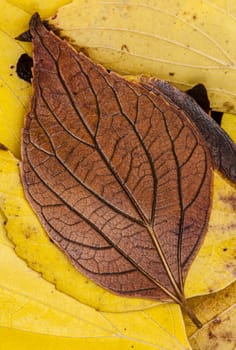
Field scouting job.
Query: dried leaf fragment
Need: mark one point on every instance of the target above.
(118, 175)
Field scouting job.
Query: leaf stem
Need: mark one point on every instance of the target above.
(185, 306)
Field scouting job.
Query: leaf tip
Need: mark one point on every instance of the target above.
(35, 20)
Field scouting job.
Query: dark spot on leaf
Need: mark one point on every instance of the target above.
(228, 336)
(27, 235)
(171, 74)
(194, 17)
(217, 320)
(124, 47)
(231, 200)
(23, 67)
(228, 106)
(225, 249)
(211, 335)
(12, 66)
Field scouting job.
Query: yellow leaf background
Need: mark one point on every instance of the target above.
(34, 313)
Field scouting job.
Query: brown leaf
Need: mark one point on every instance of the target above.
(118, 175)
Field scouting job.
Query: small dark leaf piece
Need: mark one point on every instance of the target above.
(118, 175)
(199, 93)
(23, 67)
(220, 145)
(217, 116)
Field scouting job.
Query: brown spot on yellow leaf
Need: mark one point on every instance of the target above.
(231, 200)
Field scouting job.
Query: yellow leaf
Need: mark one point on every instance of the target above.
(214, 267)
(34, 313)
(185, 42)
(218, 314)
(14, 92)
(44, 7)
(229, 124)
(208, 307)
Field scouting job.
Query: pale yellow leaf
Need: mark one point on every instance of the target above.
(214, 266)
(218, 314)
(185, 42)
(219, 334)
(211, 306)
